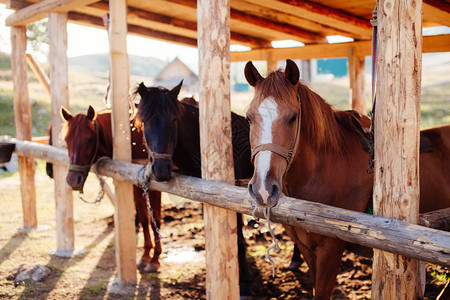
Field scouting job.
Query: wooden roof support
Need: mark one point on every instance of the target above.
(222, 272)
(59, 90)
(323, 15)
(396, 181)
(22, 121)
(435, 43)
(38, 11)
(299, 34)
(125, 234)
(440, 11)
(176, 22)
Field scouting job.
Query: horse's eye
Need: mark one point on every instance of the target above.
(292, 120)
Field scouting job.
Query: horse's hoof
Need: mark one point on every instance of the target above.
(142, 264)
(152, 267)
(294, 265)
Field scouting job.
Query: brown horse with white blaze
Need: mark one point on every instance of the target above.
(305, 149)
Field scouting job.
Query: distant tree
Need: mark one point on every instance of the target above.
(37, 35)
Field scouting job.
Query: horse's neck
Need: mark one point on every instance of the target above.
(187, 151)
(105, 147)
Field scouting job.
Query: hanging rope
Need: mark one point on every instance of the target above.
(143, 184)
(371, 164)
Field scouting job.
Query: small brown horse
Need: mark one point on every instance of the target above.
(307, 150)
(89, 137)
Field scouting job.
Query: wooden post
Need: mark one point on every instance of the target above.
(396, 188)
(22, 117)
(356, 76)
(271, 63)
(59, 90)
(124, 209)
(222, 274)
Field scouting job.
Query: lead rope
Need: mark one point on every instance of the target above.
(274, 245)
(143, 185)
(371, 164)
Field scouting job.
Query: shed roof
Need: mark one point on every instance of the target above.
(254, 23)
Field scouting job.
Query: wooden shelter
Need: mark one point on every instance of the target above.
(213, 26)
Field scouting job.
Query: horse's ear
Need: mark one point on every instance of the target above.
(176, 90)
(292, 74)
(142, 89)
(91, 113)
(251, 74)
(65, 114)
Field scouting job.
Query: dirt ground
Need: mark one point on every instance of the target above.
(182, 272)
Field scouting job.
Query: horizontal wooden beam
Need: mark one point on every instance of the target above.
(321, 14)
(299, 34)
(38, 11)
(437, 11)
(242, 39)
(391, 235)
(84, 19)
(435, 43)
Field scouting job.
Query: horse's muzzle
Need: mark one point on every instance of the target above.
(75, 180)
(266, 196)
(162, 169)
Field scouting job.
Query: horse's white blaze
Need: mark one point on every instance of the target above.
(268, 112)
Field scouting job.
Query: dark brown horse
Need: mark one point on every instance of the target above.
(89, 137)
(173, 136)
(305, 149)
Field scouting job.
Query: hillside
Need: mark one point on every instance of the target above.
(99, 63)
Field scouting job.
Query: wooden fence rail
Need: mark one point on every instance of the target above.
(391, 235)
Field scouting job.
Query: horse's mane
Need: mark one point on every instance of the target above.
(319, 123)
(157, 100)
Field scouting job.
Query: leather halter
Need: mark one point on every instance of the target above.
(280, 150)
(85, 168)
(155, 155)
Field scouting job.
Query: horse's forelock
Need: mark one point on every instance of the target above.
(275, 85)
(157, 100)
(78, 126)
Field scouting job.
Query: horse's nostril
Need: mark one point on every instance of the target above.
(250, 190)
(275, 190)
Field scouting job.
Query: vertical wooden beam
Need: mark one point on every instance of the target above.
(124, 210)
(271, 62)
(22, 118)
(356, 67)
(222, 274)
(396, 188)
(59, 90)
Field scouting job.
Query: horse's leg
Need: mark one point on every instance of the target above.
(296, 260)
(328, 262)
(141, 208)
(155, 221)
(245, 276)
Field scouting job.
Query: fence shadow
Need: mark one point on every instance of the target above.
(14, 242)
(58, 265)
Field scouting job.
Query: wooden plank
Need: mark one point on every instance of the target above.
(41, 76)
(356, 73)
(439, 219)
(125, 234)
(372, 231)
(436, 43)
(22, 120)
(294, 32)
(175, 24)
(396, 181)
(436, 11)
(59, 88)
(38, 11)
(222, 272)
(321, 14)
